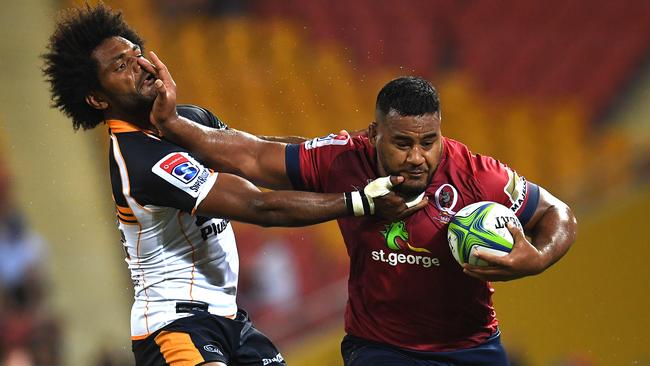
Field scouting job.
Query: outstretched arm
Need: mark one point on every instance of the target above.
(230, 151)
(238, 199)
(242, 153)
(552, 229)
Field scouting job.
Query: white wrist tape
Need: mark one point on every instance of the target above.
(378, 187)
(359, 204)
(415, 201)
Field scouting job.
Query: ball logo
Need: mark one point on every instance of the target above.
(180, 168)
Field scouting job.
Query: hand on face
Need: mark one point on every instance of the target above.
(391, 206)
(164, 106)
(523, 260)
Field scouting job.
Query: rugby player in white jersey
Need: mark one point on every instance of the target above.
(173, 212)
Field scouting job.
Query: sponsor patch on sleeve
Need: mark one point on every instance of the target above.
(183, 172)
(331, 139)
(515, 189)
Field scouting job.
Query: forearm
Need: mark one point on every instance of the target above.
(232, 151)
(288, 208)
(554, 234)
(211, 146)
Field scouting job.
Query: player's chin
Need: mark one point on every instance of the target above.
(411, 187)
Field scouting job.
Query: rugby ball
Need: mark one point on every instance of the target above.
(481, 227)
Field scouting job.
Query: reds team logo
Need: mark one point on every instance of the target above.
(446, 198)
(179, 167)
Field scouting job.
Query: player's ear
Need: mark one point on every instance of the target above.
(96, 101)
(372, 132)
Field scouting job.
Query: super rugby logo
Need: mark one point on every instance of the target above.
(180, 168)
(331, 139)
(182, 171)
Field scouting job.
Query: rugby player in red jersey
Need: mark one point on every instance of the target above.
(410, 303)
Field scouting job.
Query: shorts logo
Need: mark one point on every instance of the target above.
(212, 349)
(180, 168)
(277, 359)
(331, 139)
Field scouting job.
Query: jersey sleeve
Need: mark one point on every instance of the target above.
(308, 164)
(499, 183)
(169, 176)
(201, 115)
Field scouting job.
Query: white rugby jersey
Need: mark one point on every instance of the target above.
(172, 254)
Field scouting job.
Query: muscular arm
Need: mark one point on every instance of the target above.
(236, 198)
(231, 151)
(263, 161)
(552, 229)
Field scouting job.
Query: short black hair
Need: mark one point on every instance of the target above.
(408, 96)
(69, 66)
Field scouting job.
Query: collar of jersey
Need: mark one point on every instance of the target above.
(118, 126)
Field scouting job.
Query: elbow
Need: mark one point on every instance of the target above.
(571, 224)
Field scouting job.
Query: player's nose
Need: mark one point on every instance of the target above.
(415, 156)
(135, 65)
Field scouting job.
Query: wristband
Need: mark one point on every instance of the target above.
(358, 204)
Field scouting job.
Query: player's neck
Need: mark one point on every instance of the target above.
(140, 120)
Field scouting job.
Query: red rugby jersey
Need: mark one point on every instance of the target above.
(405, 288)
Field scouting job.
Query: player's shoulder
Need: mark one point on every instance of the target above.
(463, 159)
(140, 150)
(200, 115)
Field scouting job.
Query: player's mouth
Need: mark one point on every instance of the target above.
(414, 174)
(146, 81)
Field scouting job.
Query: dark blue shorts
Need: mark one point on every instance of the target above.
(203, 337)
(360, 352)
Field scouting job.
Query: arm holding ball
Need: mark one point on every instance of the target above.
(552, 230)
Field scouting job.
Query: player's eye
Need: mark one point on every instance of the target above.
(122, 66)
